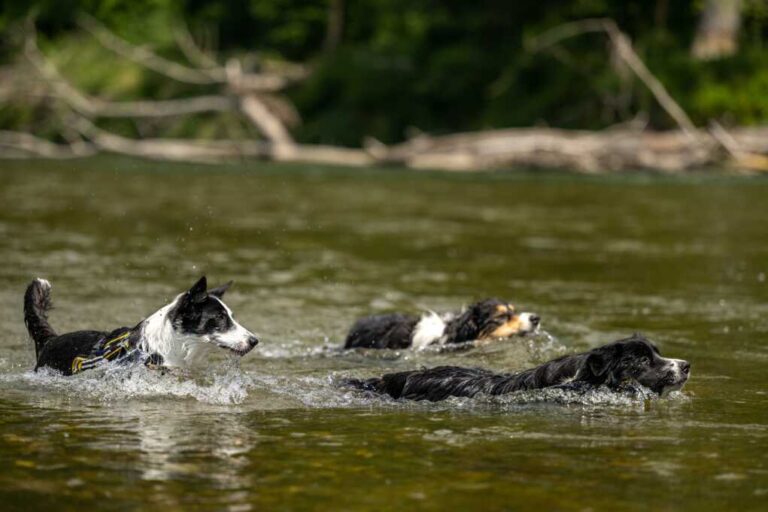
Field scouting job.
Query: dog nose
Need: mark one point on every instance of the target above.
(253, 341)
(685, 367)
(535, 319)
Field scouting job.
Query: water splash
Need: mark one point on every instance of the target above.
(118, 383)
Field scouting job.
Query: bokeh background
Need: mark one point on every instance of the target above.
(387, 68)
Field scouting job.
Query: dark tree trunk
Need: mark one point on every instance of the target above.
(335, 26)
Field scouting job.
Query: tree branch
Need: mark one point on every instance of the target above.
(95, 107)
(194, 54)
(219, 150)
(624, 50)
(247, 82)
(25, 145)
(148, 59)
(741, 157)
(272, 128)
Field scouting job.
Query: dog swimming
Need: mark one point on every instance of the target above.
(177, 335)
(620, 365)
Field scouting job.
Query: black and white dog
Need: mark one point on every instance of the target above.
(483, 321)
(619, 366)
(176, 335)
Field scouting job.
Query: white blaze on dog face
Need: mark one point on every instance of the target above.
(529, 322)
(236, 338)
(513, 323)
(196, 320)
(680, 370)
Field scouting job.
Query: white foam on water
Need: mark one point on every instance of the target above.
(230, 385)
(118, 383)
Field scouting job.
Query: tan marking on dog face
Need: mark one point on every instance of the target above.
(507, 329)
(505, 309)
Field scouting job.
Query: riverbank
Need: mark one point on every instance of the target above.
(620, 149)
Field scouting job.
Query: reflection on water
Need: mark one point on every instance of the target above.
(682, 260)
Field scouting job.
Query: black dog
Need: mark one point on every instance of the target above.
(633, 360)
(483, 321)
(175, 335)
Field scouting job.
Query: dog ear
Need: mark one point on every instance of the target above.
(597, 364)
(198, 291)
(465, 327)
(601, 360)
(220, 290)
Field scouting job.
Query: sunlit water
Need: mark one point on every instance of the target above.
(684, 261)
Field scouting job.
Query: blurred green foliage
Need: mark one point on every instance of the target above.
(436, 66)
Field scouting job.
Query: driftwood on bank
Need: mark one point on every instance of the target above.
(256, 97)
(584, 151)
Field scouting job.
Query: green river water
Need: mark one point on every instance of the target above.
(683, 260)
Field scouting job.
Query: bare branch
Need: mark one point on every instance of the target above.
(268, 81)
(272, 128)
(624, 50)
(553, 36)
(741, 157)
(149, 59)
(25, 145)
(218, 150)
(170, 149)
(95, 107)
(162, 108)
(194, 54)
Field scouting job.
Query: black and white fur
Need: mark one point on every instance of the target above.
(618, 365)
(178, 334)
(483, 321)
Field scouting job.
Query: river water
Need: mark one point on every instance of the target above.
(682, 260)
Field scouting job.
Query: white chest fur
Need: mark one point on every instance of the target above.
(429, 330)
(158, 336)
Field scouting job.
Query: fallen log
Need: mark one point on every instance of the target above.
(612, 150)
(76, 115)
(582, 151)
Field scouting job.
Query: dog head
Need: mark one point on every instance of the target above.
(635, 359)
(492, 318)
(200, 313)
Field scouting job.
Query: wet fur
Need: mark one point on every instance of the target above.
(398, 331)
(174, 335)
(634, 360)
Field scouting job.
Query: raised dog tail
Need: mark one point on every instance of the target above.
(37, 303)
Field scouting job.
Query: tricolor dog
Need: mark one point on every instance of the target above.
(177, 335)
(621, 365)
(483, 321)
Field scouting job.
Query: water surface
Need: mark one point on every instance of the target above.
(683, 260)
